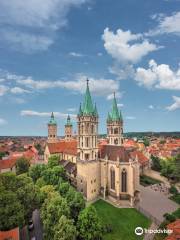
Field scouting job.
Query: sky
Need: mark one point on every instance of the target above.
(48, 48)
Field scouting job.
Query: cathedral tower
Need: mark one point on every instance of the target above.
(115, 125)
(88, 166)
(52, 129)
(68, 129)
(87, 129)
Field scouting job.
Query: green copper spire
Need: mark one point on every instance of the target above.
(95, 110)
(80, 110)
(120, 115)
(68, 123)
(108, 117)
(88, 108)
(52, 121)
(115, 114)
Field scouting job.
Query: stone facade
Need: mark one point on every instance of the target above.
(52, 130)
(108, 170)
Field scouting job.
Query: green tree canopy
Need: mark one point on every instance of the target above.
(11, 211)
(75, 201)
(65, 230)
(89, 225)
(52, 209)
(53, 161)
(54, 175)
(36, 171)
(22, 165)
(28, 194)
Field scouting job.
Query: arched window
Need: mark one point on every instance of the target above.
(112, 175)
(92, 129)
(116, 141)
(124, 181)
(116, 131)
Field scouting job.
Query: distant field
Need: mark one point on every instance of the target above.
(122, 220)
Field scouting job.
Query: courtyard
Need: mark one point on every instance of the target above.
(122, 220)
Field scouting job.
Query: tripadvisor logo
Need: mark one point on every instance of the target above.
(138, 231)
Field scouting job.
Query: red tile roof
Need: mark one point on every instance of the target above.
(67, 147)
(142, 159)
(7, 163)
(175, 226)
(11, 234)
(114, 152)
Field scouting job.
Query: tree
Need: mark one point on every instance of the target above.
(63, 188)
(52, 209)
(39, 148)
(2, 154)
(36, 171)
(46, 192)
(28, 194)
(156, 163)
(22, 165)
(9, 181)
(53, 161)
(75, 201)
(89, 225)
(176, 172)
(65, 230)
(54, 175)
(11, 211)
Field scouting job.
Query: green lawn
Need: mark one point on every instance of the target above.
(122, 220)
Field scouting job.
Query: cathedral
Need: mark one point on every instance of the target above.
(96, 168)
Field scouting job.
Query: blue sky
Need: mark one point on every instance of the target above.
(48, 49)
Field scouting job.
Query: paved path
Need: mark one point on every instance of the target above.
(156, 203)
(150, 236)
(38, 231)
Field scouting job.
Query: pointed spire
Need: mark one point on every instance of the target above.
(80, 110)
(88, 108)
(68, 123)
(95, 110)
(52, 115)
(108, 117)
(120, 115)
(115, 112)
(52, 120)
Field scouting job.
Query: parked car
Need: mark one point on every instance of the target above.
(30, 225)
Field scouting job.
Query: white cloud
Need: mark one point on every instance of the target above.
(18, 90)
(2, 121)
(158, 76)
(75, 54)
(126, 47)
(45, 114)
(151, 107)
(175, 105)
(98, 86)
(71, 109)
(27, 42)
(130, 118)
(99, 54)
(25, 23)
(3, 90)
(166, 24)
(120, 105)
(111, 96)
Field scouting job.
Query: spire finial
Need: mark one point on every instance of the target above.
(52, 115)
(87, 81)
(114, 94)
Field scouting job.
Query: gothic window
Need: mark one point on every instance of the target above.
(86, 156)
(111, 130)
(87, 142)
(82, 129)
(92, 129)
(124, 180)
(116, 141)
(112, 176)
(116, 131)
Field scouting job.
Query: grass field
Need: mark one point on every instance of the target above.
(122, 220)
